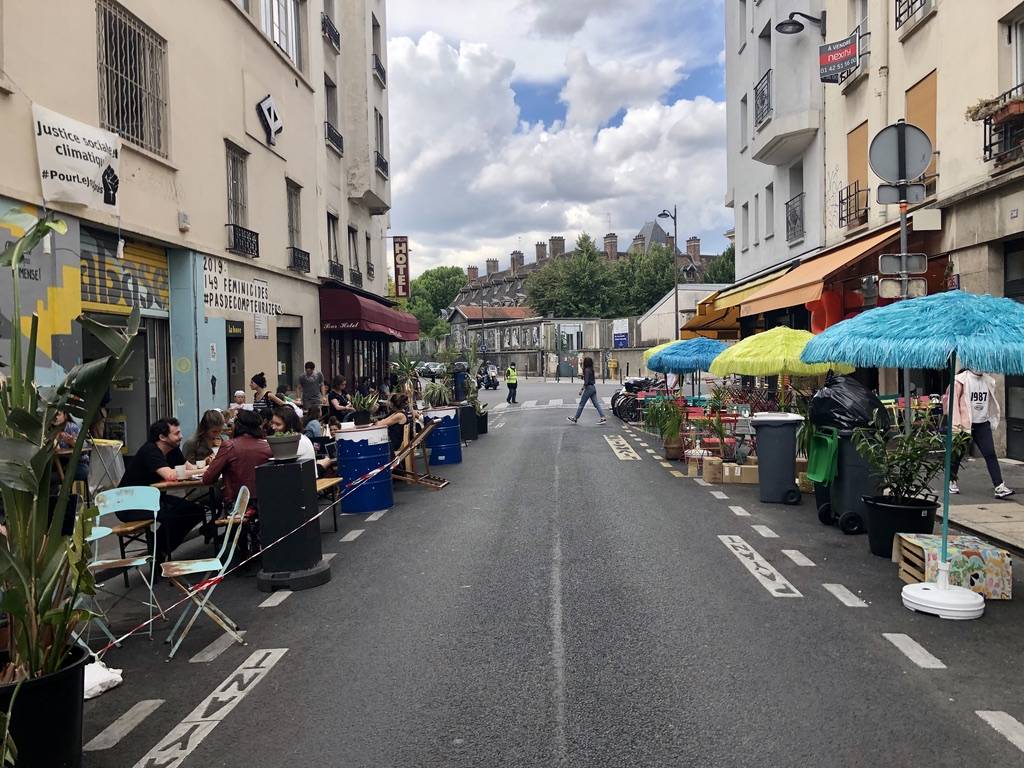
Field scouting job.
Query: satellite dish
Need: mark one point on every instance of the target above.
(886, 160)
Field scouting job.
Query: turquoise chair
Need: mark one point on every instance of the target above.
(212, 568)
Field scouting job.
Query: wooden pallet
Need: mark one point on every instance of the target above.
(428, 481)
(911, 563)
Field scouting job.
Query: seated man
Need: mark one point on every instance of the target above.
(154, 463)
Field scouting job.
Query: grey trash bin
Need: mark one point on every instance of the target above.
(853, 480)
(776, 456)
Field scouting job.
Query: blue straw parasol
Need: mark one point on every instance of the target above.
(686, 356)
(985, 333)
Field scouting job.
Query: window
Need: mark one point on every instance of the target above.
(294, 193)
(378, 64)
(920, 104)
(369, 257)
(744, 121)
(280, 20)
(132, 68)
(742, 20)
(757, 219)
(353, 249)
(381, 144)
(332, 238)
(237, 198)
(1018, 52)
(331, 101)
(745, 227)
(376, 35)
(857, 155)
(769, 211)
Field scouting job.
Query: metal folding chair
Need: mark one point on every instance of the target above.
(110, 503)
(176, 572)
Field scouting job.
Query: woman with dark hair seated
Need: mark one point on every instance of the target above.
(286, 420)
(401, 414)
(237, 459)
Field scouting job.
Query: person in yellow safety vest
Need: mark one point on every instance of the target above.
(512, 381)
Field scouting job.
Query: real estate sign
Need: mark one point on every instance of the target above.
(836, 58)
(620, 333)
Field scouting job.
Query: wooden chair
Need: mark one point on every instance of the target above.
(177, 571)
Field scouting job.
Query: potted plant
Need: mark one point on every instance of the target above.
(671, 427)
(44, 573)
(481, 416)
(468, 411)
(365, 406)
(284, 445)
(437, 395)
(444, 443)
(905, 465)
(408, 376)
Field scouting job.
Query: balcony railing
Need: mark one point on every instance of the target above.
(330, 32)
(763, 100)
(905, 10)
(334, 139)
(243, 241)
(298, 260)
(382, 165)
(853, 206)
(379, 72)
(355, 278)
(336, 270)
(369, 270)
(795, 218)
(1004, 130)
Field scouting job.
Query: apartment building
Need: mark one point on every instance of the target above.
(248, 205)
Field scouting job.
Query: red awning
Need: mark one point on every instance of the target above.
(343, 310)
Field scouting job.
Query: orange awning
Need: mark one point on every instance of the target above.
(806, 281)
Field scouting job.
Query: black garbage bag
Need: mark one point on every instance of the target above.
(845, 403)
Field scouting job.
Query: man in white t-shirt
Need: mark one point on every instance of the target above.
(976, 410)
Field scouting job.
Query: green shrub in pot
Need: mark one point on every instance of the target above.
(437, 394)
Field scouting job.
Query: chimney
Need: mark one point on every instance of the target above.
(518, 259)
(693, 248)
(638, 244)
(557, 246)
(611, 245)
(473, 273)
(492, 266)
(542, 252)
(670, 242)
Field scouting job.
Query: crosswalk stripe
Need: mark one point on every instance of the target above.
(501, 406)
(530, 404)
(557, 401)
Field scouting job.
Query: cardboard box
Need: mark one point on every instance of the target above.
(742, 474)
(713, 472)
(693, 467)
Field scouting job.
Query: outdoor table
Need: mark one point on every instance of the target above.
(107, 465)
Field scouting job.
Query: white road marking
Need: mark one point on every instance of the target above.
(701, 481)
(215, 649)
(719, 494)
(352, 535)
(1005, 725)
(761, 569)
(642, 445)
(650, 450)
(501, 406)
(676, 472)
(329, 556)
(798, 557)
(276, 598)
(622, 449)
(172, 750)
(124, 725)
(376, 516)
(666, 464)
(556, 401)
(499, 425)
(845, 596)
(913, 650)
(740, 511)
(530, 404)
(765, 531)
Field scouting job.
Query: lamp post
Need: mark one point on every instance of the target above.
(673, 214)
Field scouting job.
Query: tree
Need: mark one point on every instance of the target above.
(722, 268)
(641, 280)
(577, 285)
(430, 294)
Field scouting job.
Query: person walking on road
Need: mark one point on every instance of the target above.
(588, 392)
(976, 410)
(512, 382)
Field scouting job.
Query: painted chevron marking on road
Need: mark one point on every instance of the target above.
(125, 724)
(352, 535)
(376, 516)
(719, 495)
(172, 750)
(1005, 725)
(765, 531)
(798, 557)
(845, 596)
(276, 598)
(623, 450)
(760, 569)
(913, 650)
(215, 649)
(739, 511)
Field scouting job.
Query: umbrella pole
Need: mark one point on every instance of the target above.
(949, 462)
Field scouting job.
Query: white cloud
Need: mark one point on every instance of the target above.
(555, 18)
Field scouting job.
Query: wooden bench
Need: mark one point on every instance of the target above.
(329, 485)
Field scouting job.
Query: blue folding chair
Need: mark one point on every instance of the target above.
(176, 572)
(135, 498)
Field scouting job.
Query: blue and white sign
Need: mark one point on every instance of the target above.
(620, 333)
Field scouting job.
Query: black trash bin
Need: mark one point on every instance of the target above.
(776, 456)
(854, 479)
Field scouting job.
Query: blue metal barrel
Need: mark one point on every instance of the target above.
(445, 442)
(362, 450)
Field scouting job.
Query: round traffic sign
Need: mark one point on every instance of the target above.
(884, 153)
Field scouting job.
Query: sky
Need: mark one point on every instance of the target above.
(516, 120)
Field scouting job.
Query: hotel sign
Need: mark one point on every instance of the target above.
(401, 245)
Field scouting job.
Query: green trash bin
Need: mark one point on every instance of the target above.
(821, 461)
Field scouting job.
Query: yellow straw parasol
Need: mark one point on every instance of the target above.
(652, 350)
(773, 353)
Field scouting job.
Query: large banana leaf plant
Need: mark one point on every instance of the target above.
(42, 573)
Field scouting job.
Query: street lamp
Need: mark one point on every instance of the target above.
(793, 26)
(673, 214)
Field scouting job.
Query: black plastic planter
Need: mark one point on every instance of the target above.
(362, 418)
(888, 516)
(46, 723)
(481, 423)
(467, 422)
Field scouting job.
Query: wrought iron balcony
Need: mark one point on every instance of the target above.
(905, 10)
(382, 165)
(355, 278)
(243, 241)
(795, 218)
(330, 32)
(379, 72)
(369, 270)
(334, 139)
(1004, 129)
(853, 206)
(298, 260)
(763, 100)
(336, 270)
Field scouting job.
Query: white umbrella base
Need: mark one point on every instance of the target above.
(946, 602)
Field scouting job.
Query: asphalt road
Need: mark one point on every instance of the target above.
(559, 606)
